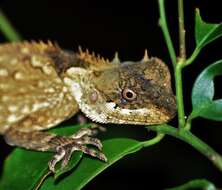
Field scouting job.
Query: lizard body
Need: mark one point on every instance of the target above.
(42, 85)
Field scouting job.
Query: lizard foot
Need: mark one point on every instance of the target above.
(65, 146)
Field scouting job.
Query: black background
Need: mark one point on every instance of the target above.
(129, 27)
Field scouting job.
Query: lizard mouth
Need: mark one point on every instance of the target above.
(111, 113)
(142, 116)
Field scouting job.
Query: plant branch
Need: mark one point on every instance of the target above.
(163, 25)
(191, 139)
(179, 94)
(7, 29)
(182, 40)
(177, 66)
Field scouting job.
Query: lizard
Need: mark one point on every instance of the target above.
(42, 85)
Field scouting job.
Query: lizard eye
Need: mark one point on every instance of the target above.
(129, 94)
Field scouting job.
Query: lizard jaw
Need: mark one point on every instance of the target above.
(142, 116)
(108, 113)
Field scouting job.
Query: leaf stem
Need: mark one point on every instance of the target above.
(191, 139)
(7, 29)
(154, 140)
(163, 25)
(192, 57)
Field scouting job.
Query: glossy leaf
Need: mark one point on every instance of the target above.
(88, 168)
(205, 32)
(203, 101)
(196, 184)
(23, 168)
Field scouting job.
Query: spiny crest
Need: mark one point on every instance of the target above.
(91, 58)
(40, 45)
(33, 46)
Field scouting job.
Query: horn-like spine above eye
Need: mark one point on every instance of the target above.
(146, 56)
(116, 59)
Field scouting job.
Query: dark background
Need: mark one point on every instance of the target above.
(129, 27)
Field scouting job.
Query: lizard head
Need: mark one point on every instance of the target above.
(125, 93)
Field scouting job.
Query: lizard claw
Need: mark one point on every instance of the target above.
(77, 142)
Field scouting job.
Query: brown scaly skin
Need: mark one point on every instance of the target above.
(42, 85)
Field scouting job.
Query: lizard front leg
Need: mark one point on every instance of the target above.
(63, 146)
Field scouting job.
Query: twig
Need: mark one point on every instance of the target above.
(182, 40)
(177, 66)
(179, 95)
(191, 139)
(163, 25)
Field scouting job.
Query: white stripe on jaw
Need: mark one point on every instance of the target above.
(111, 107)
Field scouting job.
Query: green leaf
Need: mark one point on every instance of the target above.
(24, 168)
(203, 93)
(88, 168)
(76, 157)
(205, 32)
(195, 184)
